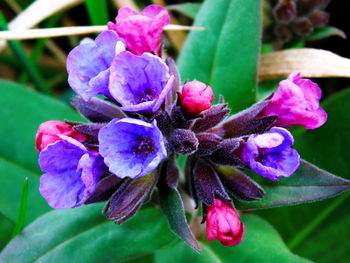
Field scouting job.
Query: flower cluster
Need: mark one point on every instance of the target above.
(290, 20)
(146, 119)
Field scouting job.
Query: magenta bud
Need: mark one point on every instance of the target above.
(49, 131)
(196, 97)
(224, 224)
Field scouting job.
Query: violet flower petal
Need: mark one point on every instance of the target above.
(88, 65)
(139, 83)
(71, 173)
(131, 148)
(270, 154)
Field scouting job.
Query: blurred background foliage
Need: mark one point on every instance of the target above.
(225, 58)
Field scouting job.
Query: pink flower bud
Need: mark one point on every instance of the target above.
(223, 224)
(48, 133)
(196, 97)
(296, 102)
(141, 32)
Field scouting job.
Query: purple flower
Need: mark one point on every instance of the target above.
(88, 64)
(270, 154)
(71, 175)
(131, 148)
(296, 102)
(141, 32)
(139, 83)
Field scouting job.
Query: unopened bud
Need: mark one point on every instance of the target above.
(196, 97)
(224, 224)
(319, 18)
(283, 33)
(306, 6)
(184, 142)
(303, 27)
(49, 131)
(285, 11)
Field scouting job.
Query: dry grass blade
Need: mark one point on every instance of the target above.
(312, 63)
(40, 10)
(37, 12)
(66, 31)
(126, 3)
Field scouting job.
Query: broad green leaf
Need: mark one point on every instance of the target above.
(325, 32)
(97, 10)
(11, 181)
(180, 252)
(22, 111)
(173, 208)
(261, 243)
(6, 228)
(307, 184)
(84, 235)
(329, 148)
(325, 240)
(188, 9)
(225, 55)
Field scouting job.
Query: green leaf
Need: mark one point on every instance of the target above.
(11, 181)
(329, 148)
(307, 184)
(188, 9)
(22, 111)
(180, 252)
(23, 209)
(97, 10)
(325, 239)
(173, 208)
(225, 55)
(325, 32)
(84, 235)
(261, 243)
(6, 228)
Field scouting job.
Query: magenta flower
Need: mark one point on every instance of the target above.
(49, 132)
(196, 97)
(224, 224)
(88, 65)
(141, 32)
(296, 102)
(270, 154)
(131, 148)
(72, 173)
(139, 83)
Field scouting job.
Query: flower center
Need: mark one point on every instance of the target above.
(144, 145)
(148, 95)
